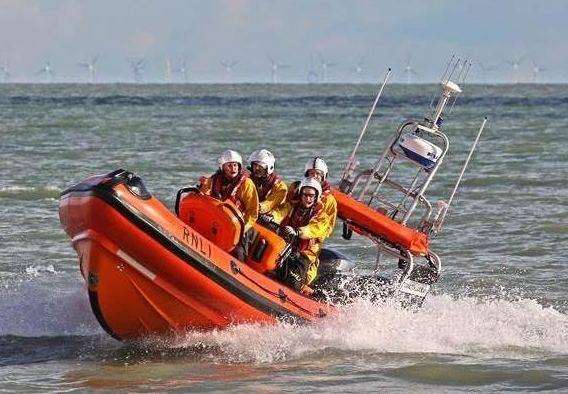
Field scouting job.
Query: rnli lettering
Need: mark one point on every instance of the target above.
(196, 242)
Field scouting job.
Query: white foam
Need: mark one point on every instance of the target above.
(16, 188)
(444, 325)
(47, 192)
(37, 270)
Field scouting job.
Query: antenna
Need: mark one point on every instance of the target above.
(464, 68)
(351, 161)
(444, 206)
(457, 69)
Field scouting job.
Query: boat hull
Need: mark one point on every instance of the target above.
(148, 272)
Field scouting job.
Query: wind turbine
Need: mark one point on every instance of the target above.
(312, 75)
(91, 67)
(536, 69)
(182, 70)
(325, 65)
(359, 70)
(136, 66)
(274, 67)
(5, 71)
(515, 63)
(47, 70)
(167, 71)
(228, 65)
(409, 72)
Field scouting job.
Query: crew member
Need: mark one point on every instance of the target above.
(304, 225)
(269, 186)
(317, 168)
(232, 182)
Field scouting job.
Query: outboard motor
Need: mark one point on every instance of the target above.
(333, 264)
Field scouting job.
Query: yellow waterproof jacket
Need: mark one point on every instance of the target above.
(311, 235)
(275, 197)
(245, 198)
(329, 204)
(330, 209)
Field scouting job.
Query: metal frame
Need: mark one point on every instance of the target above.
(415, 191)
(366, 185)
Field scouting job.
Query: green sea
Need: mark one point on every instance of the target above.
(496, 321)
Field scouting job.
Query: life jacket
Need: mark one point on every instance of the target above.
(223, 189)
(265, 185)
(325, 189)
(300, 217)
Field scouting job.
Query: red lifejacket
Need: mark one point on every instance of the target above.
(223, 189)
(265, 185)
(300, 217)
(325, 188)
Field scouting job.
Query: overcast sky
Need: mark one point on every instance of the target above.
(300, 34)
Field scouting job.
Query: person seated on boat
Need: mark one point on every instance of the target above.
(317, 168)
(304, 225)
(232, 182)
(269, 186)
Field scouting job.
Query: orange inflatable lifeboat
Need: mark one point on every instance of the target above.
(149, 271)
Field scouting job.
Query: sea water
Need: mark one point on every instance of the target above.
(497, 320)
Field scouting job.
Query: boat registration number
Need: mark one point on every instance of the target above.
(414, 288)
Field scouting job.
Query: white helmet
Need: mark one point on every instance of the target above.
(229, 156)
(265, 158)
(316, 163)
(310, 182)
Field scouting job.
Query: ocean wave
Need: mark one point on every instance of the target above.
(444, 325)
(286, 101)
(29, 192)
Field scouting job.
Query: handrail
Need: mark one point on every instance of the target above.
(180, 193)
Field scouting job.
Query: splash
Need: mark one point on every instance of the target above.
(37, 270)
(31, 308)
(443, 325)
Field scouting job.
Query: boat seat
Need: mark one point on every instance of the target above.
(266, 250)
(218, 221)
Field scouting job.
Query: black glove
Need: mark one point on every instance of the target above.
(264, 219)
(288, 233)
